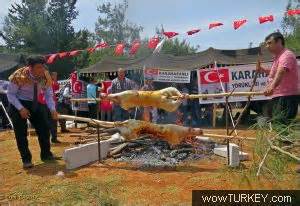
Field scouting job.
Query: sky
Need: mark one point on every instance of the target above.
(184, 15)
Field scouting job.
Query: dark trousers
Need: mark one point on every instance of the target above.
(20, 128)
(51, 123)
(120, 114)
(93, 110)
(285, 109)
(106, 115)
(63, 108)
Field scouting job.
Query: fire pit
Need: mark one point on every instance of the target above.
(149, 152)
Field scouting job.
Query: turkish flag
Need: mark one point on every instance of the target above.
(135, 47)
(194, 31)
(151, 72)
(293, 12)
(74, 53)
(238, 23)
(153, 42)
(106, 85)
(264, 19)
(119, 50)
(52, 58)
(214, 76)
(101, 45)
(77, 87)
(214, 24)
(91, 50)
(73, 77)
(63, 54)
(170, 34)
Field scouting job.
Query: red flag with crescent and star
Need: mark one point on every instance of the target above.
(170, 34)
(293, 12)
(135, 47)
(264, 19)
(238, 23)
(194, 31)
(215, 24)
(214, 76)
(153, 42)
(119, 50)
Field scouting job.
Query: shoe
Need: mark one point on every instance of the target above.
(298, 169)
(27, 165)
(50, 158)
(55, 141)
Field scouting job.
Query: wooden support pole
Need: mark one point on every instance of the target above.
(220, 136)
(214, 117)
(102, 124)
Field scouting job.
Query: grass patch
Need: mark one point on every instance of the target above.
(171, 189)
(91, 191)
(197, 179)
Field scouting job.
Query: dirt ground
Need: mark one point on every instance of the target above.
(115, 183)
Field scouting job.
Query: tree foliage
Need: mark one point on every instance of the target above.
(291, 27)
(61, 13)
(112, 25)
(24, 26)
(40, 26)
(175, 46)
(178, 48)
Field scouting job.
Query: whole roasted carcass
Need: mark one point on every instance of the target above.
(159, 99)
(173, 134)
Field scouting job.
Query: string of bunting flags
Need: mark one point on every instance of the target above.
(156, 42)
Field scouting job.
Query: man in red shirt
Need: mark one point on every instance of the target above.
(282, 80)
(51, 122)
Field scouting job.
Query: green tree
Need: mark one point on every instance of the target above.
(61, 13)
(83, 39)
(40, 26)
(175, 46)
(291, 27)
(178, 48)
(112, 25)
(24, 26)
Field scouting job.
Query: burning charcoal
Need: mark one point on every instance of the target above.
(182, 156)
(173, 153)
(156, 150)
(163, 157)
(133, 144)
(157, 153)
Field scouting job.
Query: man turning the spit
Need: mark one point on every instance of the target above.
(23, 89)
(121, 84)
(282, 80)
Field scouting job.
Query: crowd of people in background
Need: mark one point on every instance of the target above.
(34, 95)
(191, 113)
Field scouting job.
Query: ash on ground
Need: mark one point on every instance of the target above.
(147, 153)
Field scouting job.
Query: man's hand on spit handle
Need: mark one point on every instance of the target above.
(269, 90)
(184, 96)
(259, 69)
